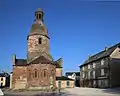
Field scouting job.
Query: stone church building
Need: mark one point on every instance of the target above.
(38, 70)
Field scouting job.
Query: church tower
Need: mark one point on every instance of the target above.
(38, 39)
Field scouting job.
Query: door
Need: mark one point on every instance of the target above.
(59, 84)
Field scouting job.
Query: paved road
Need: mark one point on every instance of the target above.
(92, 92)
(71, 92)
(29, 94)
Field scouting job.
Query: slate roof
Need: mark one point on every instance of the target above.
(58, 63)
(101, 54)
(70, 73)
(41, 59)
(2, 75)
(63, 78)
(21, 62)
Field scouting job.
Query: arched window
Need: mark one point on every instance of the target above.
(35, 73)
(40, 16)
(44, 73)
(40, 41)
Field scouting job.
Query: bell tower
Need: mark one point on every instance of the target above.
(38, 39)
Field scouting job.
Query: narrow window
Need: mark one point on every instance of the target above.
(35, 73)
(59, 84)
(94, 65)
(40, 41)
(83, 68)
(83, 75)
(39, 16)
(1, 79)
(89, 74)
(94, 74)
(102, 62)
(89, 66)
(102, 72)
(68, 83)
(44, 73)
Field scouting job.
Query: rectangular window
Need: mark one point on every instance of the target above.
(35, 74)
(40, 41)
(83, 68)
(89, 66)
(88, 73)
(94, 65)
(1, 79)
(102, 72)
(59, 84)
(94, 74)
(68, 83)
(83, 75)
(102, 62)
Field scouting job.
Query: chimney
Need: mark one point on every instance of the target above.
(106, 48)
(89, 56)
(13, 59)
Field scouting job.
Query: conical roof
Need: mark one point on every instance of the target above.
(38, 28)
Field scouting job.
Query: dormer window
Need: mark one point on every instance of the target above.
(40, 41)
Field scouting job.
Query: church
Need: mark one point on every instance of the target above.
(39, 71)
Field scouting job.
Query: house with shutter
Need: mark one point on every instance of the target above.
(102, 69)
(75, 76)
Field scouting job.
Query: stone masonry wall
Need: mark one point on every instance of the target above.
(19, 77)
(58, 72)
(40, 80)
(34, 48)
(64, 84)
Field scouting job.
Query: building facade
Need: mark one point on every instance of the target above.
(75, 76)
(64, 82)
(39, 70)
(4, 80)
(102, 69)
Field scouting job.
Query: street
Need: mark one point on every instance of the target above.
(70, 92)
